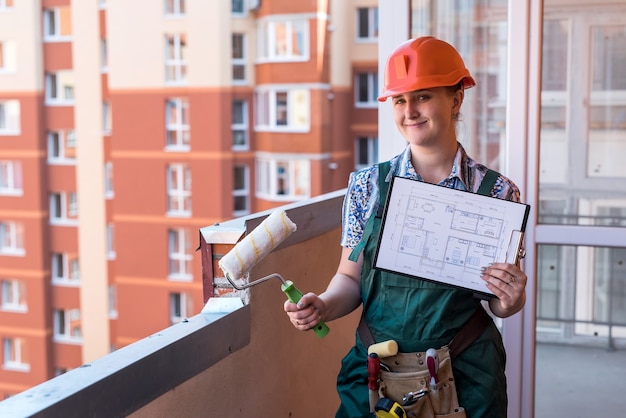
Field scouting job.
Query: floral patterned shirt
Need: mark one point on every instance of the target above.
(361, 199)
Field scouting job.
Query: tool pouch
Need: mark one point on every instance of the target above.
(408, 383)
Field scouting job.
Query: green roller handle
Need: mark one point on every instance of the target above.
(294, 296)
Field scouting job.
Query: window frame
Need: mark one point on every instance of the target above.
(69, 267)
(63, 208)
(58, 143)
(372, 151)
(371, 87)
(268, 104)
(180, 128)
(174, 8)
(296, 176)
(13, 295)
(239, 61)
(11, 179)
(10, 117)
(53, 34)
(64, 325)
(14, 355)
(6, 5)
(180, 257)
(240, 127)
(176, 43)
(56, 91)
(238, 13)
(373, 26)
(8, 56)
(267, 40)
(12, 233)
(180, 306)
(109, 191)
(243, 192)
(178, 186)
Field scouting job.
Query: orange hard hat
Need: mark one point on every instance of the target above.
(423, 63)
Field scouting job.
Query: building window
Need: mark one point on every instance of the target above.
(10, 178)
(60, 88)
(8, 56)
(366, 152)
(241, 190)
(179, 190)
(284, 40)
(240, 125)
(61, 147)
(109, 192)
(13, 295)
(6, 5)
(67, 325)
(15, 354)
(177, 125)
(9, 117)
(283, 179)
(180, 256)
(237, 7)
(282, 110)
(107, 118)
(366, 89)
(65, 270)
(111, 241)
(180, 307)
(63, 208)
(112, 301)
(57, 24)
(104, 56)
(175, 53)
(239, 57)
(367, 24)
(174, 7)
(12, 238)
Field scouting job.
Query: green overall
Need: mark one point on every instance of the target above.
(419, 315)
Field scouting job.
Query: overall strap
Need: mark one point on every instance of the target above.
(383, 170)
(477, 323)
(488, 182)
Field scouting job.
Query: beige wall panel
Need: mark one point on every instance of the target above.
(22, 24)
(208, 27)
(136, 59)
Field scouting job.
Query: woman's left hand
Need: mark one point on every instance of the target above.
(508, 283)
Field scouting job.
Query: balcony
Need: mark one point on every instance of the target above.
(239, 357)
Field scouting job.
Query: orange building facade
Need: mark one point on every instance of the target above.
(125, 127)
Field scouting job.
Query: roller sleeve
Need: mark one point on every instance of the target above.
(261, 241)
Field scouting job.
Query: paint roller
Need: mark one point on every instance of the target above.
(254, 247)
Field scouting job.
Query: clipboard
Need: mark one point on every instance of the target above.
(434, 233)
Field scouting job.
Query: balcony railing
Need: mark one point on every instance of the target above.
(240, 357)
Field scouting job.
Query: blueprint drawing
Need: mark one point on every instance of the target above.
(446, 235)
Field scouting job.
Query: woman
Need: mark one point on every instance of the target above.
(425, 79)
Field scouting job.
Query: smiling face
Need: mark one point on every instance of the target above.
(426, 117)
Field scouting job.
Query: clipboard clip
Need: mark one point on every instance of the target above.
(516, 250)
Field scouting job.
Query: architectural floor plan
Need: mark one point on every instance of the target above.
(447, 235)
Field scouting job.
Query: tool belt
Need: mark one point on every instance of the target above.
(405, 386)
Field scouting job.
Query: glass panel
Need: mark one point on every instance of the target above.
(281, 109)
(478, 30)
(583, 115)
(607, 119)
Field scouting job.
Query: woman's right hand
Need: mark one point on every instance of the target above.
(307, 313)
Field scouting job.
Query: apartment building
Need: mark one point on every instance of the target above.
(125, 127)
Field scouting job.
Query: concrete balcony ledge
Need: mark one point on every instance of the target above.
(237, 357)
(131, 377)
